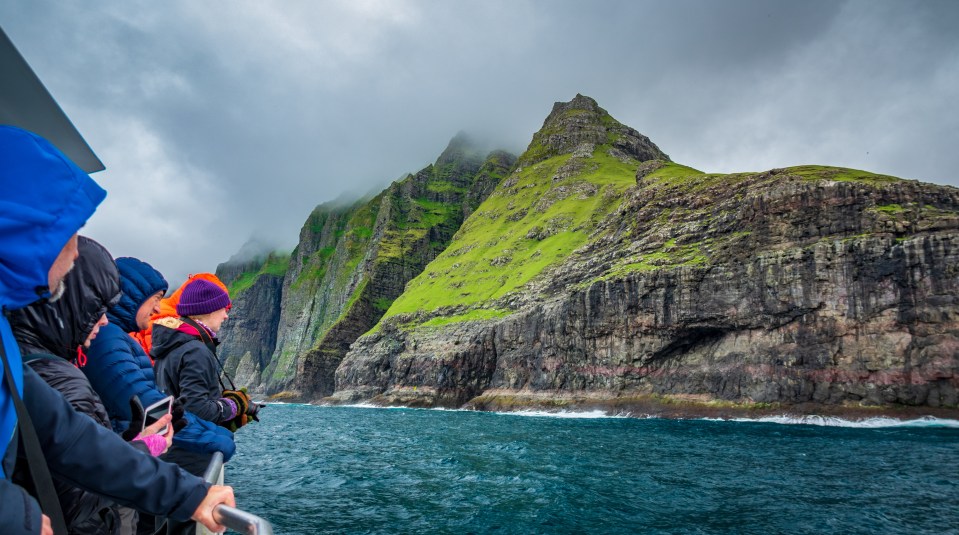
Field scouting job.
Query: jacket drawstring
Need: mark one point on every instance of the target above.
(81, 359)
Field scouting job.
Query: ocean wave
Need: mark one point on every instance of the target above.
(867, 423)
(360, 406)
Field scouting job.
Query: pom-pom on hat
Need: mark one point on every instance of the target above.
(202, 297)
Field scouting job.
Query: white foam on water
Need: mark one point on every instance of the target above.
(785, 419)
(528, 413)
(395, 407)
(563, 414)
(867, 423)
(363, 406)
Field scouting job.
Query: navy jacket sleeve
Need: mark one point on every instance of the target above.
(94, 458)
(117, 373)
(19, 512)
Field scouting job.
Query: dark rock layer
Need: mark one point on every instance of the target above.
(249, 336)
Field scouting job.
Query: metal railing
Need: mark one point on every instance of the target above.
(231, 517)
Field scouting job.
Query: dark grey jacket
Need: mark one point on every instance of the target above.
(85, 512)
(188, 370)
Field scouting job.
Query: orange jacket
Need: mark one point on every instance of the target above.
(168, 310)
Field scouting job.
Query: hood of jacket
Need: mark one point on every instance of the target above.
(45, 201)
(59, 328)
(138, 282)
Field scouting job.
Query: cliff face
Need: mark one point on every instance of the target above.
(353, 261)
(599, 270)
(249, 336)
(322, 276)
(417, 219)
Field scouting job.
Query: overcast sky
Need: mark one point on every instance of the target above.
(218, 120)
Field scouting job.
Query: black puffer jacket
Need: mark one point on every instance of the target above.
(49, 335)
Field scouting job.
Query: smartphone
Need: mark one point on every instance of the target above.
(156, 411)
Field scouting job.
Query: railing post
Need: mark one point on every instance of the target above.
(232, 518)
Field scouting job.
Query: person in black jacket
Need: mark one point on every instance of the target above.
(186, 365)
(51, 337)
(44, 200)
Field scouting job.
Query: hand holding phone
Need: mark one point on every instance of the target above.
(156, 411)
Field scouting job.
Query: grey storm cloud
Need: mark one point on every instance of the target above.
(222, 121)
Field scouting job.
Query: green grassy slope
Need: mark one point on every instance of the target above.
(529, 223)
(534, 222)
(276, 263)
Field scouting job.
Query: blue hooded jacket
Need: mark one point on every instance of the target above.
(35, 224)
(44, 200)
(118, 368)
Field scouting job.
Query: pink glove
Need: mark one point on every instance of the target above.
(155, 443)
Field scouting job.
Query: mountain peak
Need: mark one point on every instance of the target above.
(579, 126)
(255, 249)
(461, 147)
(579, 103)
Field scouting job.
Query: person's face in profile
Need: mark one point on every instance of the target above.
(149, 307)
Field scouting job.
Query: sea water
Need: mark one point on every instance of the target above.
(310, 469)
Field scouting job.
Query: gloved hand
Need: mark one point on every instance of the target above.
(136, 419)
(240, 398)
(252, 408)
(179, 420)
(242, 407)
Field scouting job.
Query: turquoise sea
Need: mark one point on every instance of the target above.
(311, 469)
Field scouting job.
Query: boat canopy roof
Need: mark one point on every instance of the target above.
(26, 103)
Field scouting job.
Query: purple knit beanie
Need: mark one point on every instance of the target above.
(202, 297)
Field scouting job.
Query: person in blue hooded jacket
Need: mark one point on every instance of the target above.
(118, 368)
(44, 200)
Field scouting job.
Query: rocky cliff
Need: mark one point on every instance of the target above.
(255, 281)
(354, 259)
(417, 218)
(599, 272)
